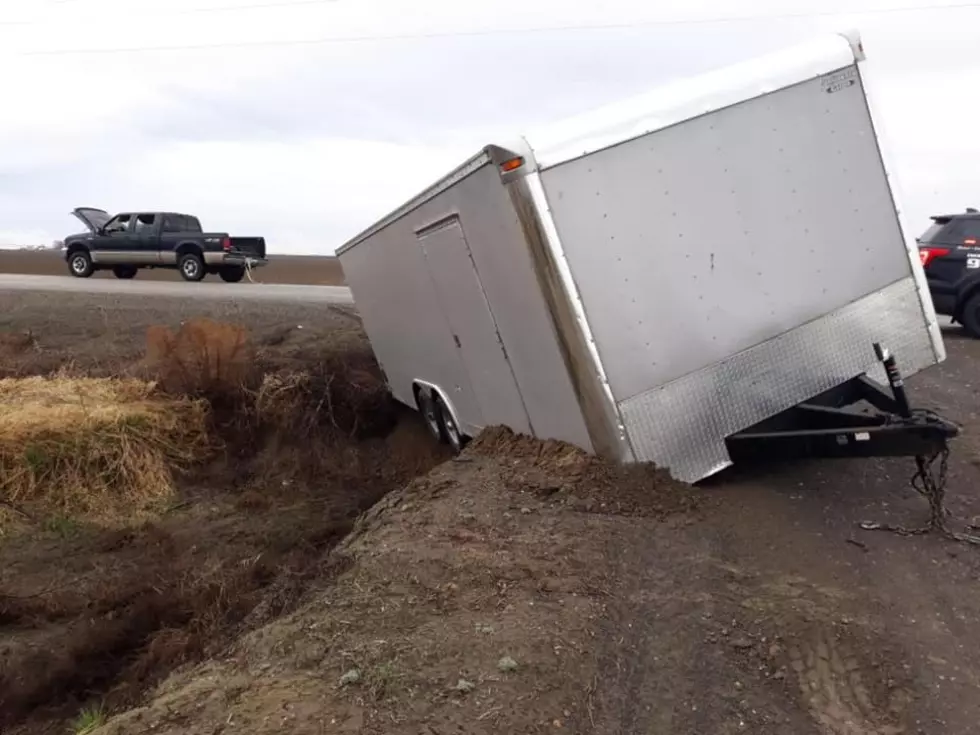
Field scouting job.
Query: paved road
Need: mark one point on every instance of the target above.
(182, 289)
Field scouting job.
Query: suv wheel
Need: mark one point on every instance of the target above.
(80, 264)
(191, 267)
(970, 315)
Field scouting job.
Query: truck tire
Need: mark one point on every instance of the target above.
(191, 267)
(232, 273)
(970, 315)
(80, 264)
(125, 271)
(453, 436)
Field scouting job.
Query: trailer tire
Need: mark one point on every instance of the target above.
(450, 430)
(970, 315)
(430, 413)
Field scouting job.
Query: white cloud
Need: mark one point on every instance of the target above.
(307, 143)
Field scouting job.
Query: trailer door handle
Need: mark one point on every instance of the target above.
(456, 340)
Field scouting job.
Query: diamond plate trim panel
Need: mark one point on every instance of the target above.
(682, 425)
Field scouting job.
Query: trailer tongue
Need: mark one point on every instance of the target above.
(831, 426)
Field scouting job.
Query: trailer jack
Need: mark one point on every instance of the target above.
(835, 424)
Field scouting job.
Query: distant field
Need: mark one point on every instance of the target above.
(315, 270)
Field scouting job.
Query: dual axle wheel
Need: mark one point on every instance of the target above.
(439, 419)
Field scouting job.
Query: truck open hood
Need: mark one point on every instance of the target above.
(93, 219)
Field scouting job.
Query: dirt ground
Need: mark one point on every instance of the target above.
(311, 270)
(520, 588)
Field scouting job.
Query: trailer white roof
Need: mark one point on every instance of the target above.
(692, 97)
(660, 108)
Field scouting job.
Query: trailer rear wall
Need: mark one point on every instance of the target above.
(701, 249)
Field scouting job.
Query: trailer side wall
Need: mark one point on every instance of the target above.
(408, 319)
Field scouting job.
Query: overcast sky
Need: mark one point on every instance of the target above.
(307, 120)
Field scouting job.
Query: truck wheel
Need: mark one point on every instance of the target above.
(232, 274)
(454, 438)
(125, 271)
(191, 267)
(80, 264)
(970, 315)
(430, 414)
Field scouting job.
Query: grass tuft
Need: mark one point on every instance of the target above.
(98, 448)
(88, 721)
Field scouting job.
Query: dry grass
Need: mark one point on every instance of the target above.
(98, 448)
(336, 392)
(203, 357)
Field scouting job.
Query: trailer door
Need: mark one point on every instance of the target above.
(469, 316)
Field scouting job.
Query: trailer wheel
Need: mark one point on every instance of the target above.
(430, 413)
(454, 438)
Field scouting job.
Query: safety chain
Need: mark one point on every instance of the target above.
(933, 487)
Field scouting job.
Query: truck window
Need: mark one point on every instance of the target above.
(144, 221)
(181, 223)
(119, 223)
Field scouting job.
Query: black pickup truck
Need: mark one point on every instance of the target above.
(126, 242)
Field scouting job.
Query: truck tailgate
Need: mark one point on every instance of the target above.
(254, 246)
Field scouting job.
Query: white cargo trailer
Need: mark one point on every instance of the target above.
(691, 277)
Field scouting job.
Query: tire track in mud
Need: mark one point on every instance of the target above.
(701, 645)
(834, 687)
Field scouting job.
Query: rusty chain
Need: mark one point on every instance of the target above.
(931, 485)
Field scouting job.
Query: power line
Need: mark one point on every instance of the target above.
(337, 40)
(185, 11)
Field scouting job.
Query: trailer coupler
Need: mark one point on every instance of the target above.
(835, 424)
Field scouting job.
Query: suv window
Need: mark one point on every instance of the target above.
(930, 235)
(145, 221)
(962, 230)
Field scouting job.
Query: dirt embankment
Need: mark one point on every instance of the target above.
(98, 602)
(527, 588)
(470, 603)
(306, 583)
